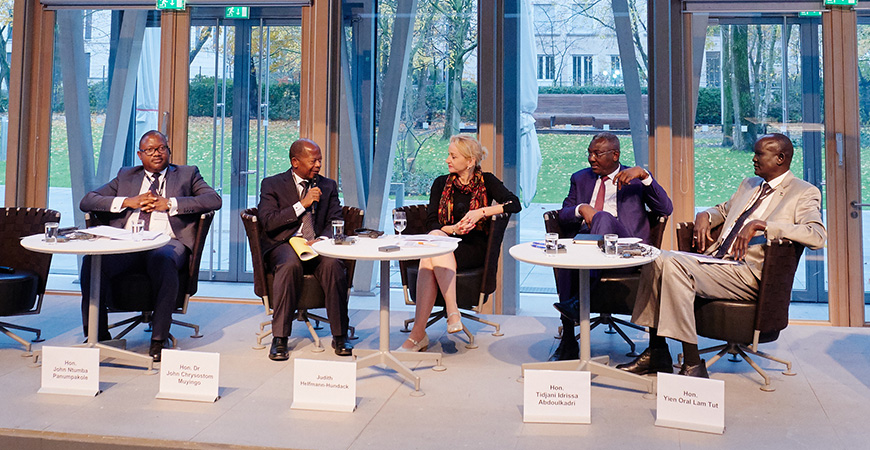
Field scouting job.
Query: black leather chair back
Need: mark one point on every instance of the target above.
(312, 295)
(31, 269)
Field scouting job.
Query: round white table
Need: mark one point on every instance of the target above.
(96, 248)
(367, 249)
(584, 257)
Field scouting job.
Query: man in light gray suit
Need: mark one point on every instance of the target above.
(776, 205)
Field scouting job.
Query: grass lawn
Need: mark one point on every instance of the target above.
(718, 170)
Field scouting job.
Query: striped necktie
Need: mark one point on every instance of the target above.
(738, 224)
(155, 189)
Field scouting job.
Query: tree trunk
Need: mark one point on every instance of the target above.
(459, 25)
(741, 94)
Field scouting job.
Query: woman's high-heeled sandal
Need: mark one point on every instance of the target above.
(454, 327)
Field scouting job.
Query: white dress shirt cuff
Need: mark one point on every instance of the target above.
(117, 204)
(298, 208)
(648, 180)
(577, 211)
(173, 207)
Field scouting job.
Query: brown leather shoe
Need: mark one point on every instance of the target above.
(698, 370)
(650, 361)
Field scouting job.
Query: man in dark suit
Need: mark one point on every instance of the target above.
(606, 198)
(774, 204)
(169, 199)
(300, 202)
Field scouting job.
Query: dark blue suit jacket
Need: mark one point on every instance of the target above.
(278, 194)
(632, 202)
(193, 194)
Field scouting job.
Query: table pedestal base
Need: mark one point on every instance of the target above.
(106, 351)
(597, 366)
(392, 360)
(383, 355)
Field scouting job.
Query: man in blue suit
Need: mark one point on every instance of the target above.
(608, 197)
(170, 199)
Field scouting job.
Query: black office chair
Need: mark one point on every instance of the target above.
(312, 296)
(743, 325)
(473, 286)
(21, 291)
(616, 290)
(132, 292)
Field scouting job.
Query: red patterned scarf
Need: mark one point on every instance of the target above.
(478, 197)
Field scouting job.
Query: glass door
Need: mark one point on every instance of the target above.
(243, 116)
(763, 74)
(862, 207)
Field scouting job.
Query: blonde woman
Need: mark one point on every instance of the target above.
(460, 205)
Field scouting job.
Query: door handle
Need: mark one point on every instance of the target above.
(856, 206)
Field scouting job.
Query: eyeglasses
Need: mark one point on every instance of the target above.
(152, 151)
(598, 155)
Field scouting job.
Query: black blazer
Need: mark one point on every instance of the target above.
(278, 194)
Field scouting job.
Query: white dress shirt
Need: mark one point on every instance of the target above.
(159, 219)
(609, 193)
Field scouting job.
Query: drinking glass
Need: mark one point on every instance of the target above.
(552, 241)
(610, 244)
(51, 232)
(137, 228)
(399, 221)
(337, 231)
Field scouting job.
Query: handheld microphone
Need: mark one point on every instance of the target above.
(312, 185)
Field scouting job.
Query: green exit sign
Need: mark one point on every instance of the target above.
(810, 14)
(841, 2)
(237, 12)
(170, 4)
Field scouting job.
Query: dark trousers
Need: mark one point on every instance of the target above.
(567, 283)
(287, 286)
(162, 265)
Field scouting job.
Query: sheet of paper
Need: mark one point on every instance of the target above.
(705, 259)
(119, 233)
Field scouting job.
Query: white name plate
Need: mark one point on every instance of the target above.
(690, 403)
(192, 376)
(324, 385)
(556, 396)
(70, 370)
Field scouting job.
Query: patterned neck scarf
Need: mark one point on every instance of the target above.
(475, 188)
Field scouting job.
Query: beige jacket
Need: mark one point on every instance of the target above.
(794, 212)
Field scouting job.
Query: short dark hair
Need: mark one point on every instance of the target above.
(606, 136)
(153, 133)
(783, 144)
(301, 146)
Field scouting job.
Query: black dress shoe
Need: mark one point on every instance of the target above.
(697, 371)
(650, 361)
(156, 349)
(279, 351)
(341, 346)
(569, 310)
(567, 349)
